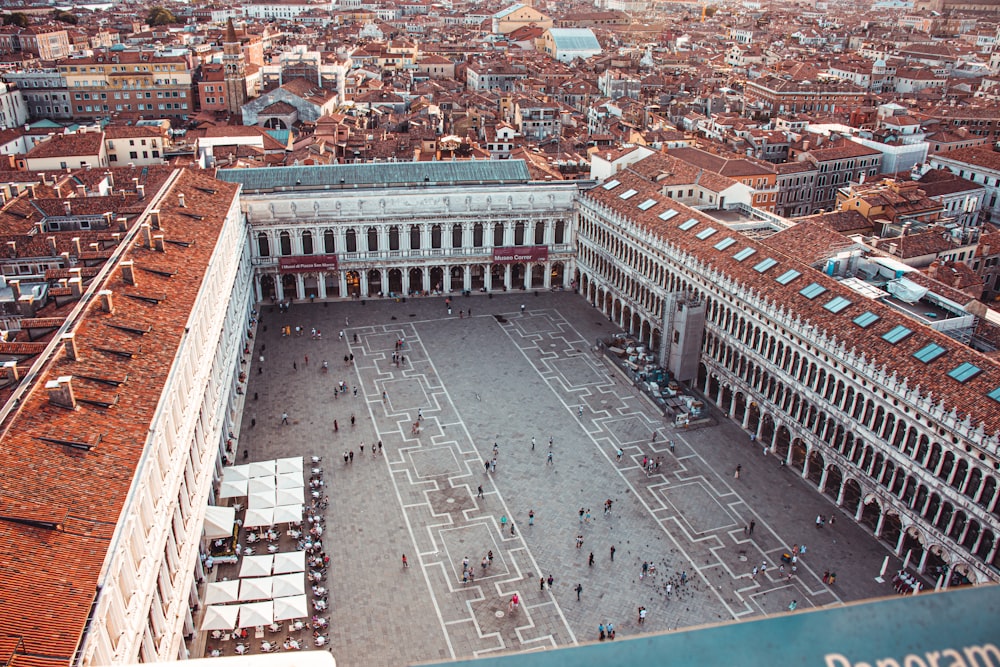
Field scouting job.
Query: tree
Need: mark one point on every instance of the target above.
(16, 18)
(64, 16)
(160, 16)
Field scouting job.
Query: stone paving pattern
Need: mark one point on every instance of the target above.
(502, 377)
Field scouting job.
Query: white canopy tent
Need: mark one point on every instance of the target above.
(291, 607)
(261, 500)
(233, 488)
(220, 592)
(256, 566)
(257, 517)
(289, 561)
(289, 497)
(255, 588)
(287, 514)
(289, 480)
(285, 585)
(220, 617)
(257, 613)
(236, 473)
(261, 485)
(292, 464)
(262, 469)
(219, 521)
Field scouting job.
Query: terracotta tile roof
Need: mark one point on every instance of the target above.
(50, 573)
(915, 245)
(966, 398)
(80, 143)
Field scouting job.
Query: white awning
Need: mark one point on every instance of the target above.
(219, 521)
(289, 561)
(258, 613)
(291, 607)
(219, 592)
(256, 566)
(220, 617)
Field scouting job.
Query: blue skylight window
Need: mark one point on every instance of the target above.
(628, 194)
(612, 184)
(705, 233)
(648, 204)
(929, 353)
(995, 394)
(812, 290)
(896, 334)
(765, 265)
(724, 243)
(743, 254)
(965, 372)
(669, 213)
(866, 319)
(788, 276)
(688, 224)
(837, 304)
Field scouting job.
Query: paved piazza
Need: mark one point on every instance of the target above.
(503, 376)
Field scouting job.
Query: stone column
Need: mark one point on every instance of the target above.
(406, 281)
(547, 275)
(446, 280)
(279, 287)
(822, 479)
(321, 284)
(467, 277)
(257, 290)
(363, 283)
(300, 286)
(343, 283)
(425, 276)
(506, 275)
(880, 524)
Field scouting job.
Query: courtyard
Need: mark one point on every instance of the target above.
(500, 377)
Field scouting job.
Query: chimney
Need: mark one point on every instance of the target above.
(52, 246)
(107, 219)
(154, 218)
(128, 272)
(147, 237)
(69, 341)
(13, 246)
(69, 207)
(61, 392)
(107, 304)
(26, 305)
(180, 200)
(65, 258)
(15, 287)
(76, 245)
(31, 189)
(40, 227)
(141, 190)
(122, 224)
(111, 179)
(158, 243)
(11, 371)
(81, 190)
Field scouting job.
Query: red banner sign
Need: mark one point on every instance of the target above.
(306, 263)
(535, 253)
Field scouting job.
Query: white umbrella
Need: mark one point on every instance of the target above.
(219, 521)
(293, 464)
(255, 588)
(261, 500)
(257, 613)
(260, 485)
(220, 617)
(284, 585)
(257, 517)
(233, 488)
(289, 561)
(262, 469)
(236, 473)
(290, 607)
(287, 513)
(289, 497)
(224, 591)
(256, 566)
(290, 480)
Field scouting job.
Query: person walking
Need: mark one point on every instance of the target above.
(578, 589)
(642, 615)
(480, 493)
(522, 307)
(612, 553)
(531, 517)
(406, 563)
(548, 461)
(284, 418)
(792, 605)
(503, 522)
(532, 443)
(590, 562)
(752, 524)
(739, 467)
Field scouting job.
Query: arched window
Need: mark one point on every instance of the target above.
(436, 236)
(352, 241)
(498, 234)
(372, 239)
(263, 245)
(560, 232)
(539, 233)
(477, 235)
(285, 242)
(307, 243)
(415, 237)
(329, 245)
(519, 233)
(456, 236)
(394, 238)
